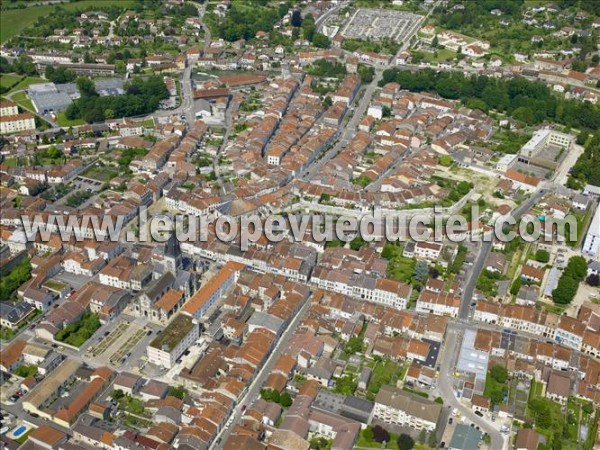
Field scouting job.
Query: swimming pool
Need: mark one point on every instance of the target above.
(19, 431)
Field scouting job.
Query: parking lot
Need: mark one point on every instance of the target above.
(114, 346)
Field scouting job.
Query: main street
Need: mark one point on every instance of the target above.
(446, 389)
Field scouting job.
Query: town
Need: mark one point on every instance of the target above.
(163, 109)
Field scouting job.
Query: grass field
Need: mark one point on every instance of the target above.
(22, 100)
(103, 174)
(12, 22)
(7, 80)
(24, 84)
(62, 120)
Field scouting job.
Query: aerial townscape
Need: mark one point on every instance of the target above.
(149, 111)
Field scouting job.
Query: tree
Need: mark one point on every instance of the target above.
(421, 271)
(285, 400)
(422, 437)
(405, 442)
(321, 41)
(582, 138)
(496, 396)
(524, 114)
(354, 345)
(345, 385)
(178, 391)
(386, 111)
(499, 373)
(516, 285)
(380, 434)
(117, 394)
(86, 87)
(327, 101)
(432, 441)
(593, 280)
(435, 41)
(576, 268)
(445, 160)
(296, 18)
(542, 256)
(565, 290)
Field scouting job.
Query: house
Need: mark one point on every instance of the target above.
(558, 387)
(129, 383)
(480, 403)
(527, 439)
(47, 437)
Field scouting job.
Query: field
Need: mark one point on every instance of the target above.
(24, 84)
(6, 81)
(62, 120)
(22, 100)
(12, 22)
(384, 372)
(103, 174)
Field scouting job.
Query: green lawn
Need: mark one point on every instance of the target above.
(491, 385)
(7, 80)
(384, 372)
(24, 436)
(24, 84)
(103, 174)
(62, 120)
(13, 22)
(364, 442)
(442, 55)
(22, 100)
(77, 333)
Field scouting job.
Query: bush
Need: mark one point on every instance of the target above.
(499, 373)
(405, 442)
(568, 283)
(285, 400)
(542, 256)
(380, 434)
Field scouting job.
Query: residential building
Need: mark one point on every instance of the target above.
(398, 407)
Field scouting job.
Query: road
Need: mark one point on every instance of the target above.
(347, 130)
(484, 251)
(320, 22)
(254, 390)
(446, 389)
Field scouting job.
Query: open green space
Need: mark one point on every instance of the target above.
(25, 82)
(10, 281)
(384, 372)
(103, 174)
(400, 267)
(8, 80)
(496, 386)
(22, 100)
(14, 21)
(62, 120)
(78, 332)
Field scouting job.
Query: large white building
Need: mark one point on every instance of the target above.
(544, 138)
(397, 407)
(591, 245)
(169, 345)
(16, 123)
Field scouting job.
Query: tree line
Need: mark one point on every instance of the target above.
(531, 101)
(141, 97)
